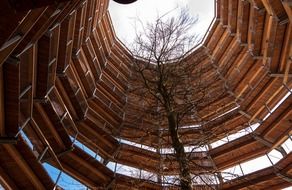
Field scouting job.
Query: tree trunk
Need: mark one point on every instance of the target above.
(185, 176)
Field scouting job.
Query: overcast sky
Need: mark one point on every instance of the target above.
(123, 16)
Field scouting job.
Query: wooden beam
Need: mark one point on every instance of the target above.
(11, 79)
(288, 8)
(23, 28)
(17, 157)
(286, 55)
(250, 182)
(86, 165)
(49, 125)
(280, 75)
(31, 4)
(58, 155)
(83, 179)
(8, 140)
(2, 122)
(10, 42)
(6, 181)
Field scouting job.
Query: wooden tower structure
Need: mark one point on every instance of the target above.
(64, 78)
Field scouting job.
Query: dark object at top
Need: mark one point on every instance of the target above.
(125, 1)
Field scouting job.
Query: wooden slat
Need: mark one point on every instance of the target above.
(2, 116)
(74, 92)
(6, 181)
(79, 27)
(232, 15)
(17, 157)
(243, 20)
(47, 61)
(22, 29)
(48, 125)
(26, 5)
(255, 32)
(84, 73)
(224, 12)
(11, 96)
(66, 42)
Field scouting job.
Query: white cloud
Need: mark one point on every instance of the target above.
(123, 16)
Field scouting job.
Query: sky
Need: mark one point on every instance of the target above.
(123, 16)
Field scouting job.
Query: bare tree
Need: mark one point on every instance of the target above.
(174, 87)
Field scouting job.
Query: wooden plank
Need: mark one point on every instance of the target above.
(2, 116)
(85, 74)
(79, 27)
(89, 167)
(224, 12)
(47, 61)
(49, 125)
(26, 5)
(6, 181)
(65, 97)
(88, 19)
(42, 25)
(11, 96)
(269, 37)
(96, 14)
(8, 26)
(232, 15)
(27, 72)
(22, 29)
(255, 32)
(78, 100)
(288, 8)
(78, 176)
(17, 157)
(66, 42)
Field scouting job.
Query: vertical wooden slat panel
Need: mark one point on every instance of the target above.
(96, 14)
(66, 42)
(88, 19)
(242, 21)
(232, 15)
(27, 65)
(2, 121)
(47, 61)
(224, 12)
(26, 5)
(11, 93)
(85, 73)
(71, 86)
(79, 27)
(98, 49)
(8, 26)
(21, 30)
(256, 24)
